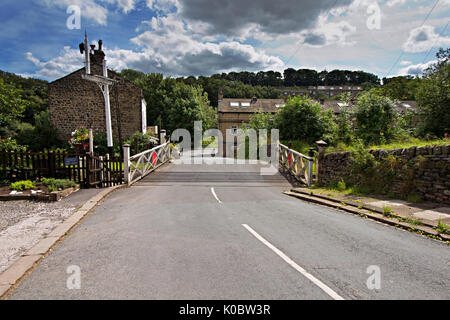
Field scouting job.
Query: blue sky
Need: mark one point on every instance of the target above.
(202, 37)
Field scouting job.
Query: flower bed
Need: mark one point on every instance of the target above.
(41, 191)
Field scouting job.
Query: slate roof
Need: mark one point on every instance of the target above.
(246, 105)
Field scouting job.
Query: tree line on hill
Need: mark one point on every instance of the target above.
(298, 78)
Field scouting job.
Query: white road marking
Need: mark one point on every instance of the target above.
(316, 281)
(215, 195)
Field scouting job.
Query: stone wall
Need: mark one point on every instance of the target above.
(76, 103)
(429, 169)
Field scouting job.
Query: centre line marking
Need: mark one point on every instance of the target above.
(316, 281)
(215, 195)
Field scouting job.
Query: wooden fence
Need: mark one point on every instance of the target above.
(84, 169)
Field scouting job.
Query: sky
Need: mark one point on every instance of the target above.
(202, 37)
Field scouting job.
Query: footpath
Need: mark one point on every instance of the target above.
(427, 218)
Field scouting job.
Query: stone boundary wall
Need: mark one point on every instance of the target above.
(430, 180)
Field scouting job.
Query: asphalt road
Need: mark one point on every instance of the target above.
(226, 232)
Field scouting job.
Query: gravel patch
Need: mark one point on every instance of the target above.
(24, 223)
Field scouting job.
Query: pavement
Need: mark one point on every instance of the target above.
(226, 232)
(428, 213)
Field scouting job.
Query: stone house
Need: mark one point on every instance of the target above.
(78, 103)
(235, 112)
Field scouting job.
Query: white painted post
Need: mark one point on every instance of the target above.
(107, 108)
(126, 163)
(91, 141)
(108, 117)
(144, 116)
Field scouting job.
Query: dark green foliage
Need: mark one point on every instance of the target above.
(375, 118)
(172, 104)
(434, 97)
(40, 136)
(101, 145)
(303, 119)
(140, 142)
(402, 87)
(56, 184)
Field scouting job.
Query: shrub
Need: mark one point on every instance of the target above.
(303, 119)
(375, 118)
(101, 144)
(56, 184)
(140, 142)
(442, 227)
(22, 185)
(341, 185)
(11, 145)
(387, 211)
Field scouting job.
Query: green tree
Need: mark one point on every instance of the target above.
(261, 120)
(303, 119)
(40, 136)
(433, 96)
(12, 106)
(344, 130)
(375, 118)
(172, 104)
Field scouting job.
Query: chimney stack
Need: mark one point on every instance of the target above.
(220, 94)
(98, 56)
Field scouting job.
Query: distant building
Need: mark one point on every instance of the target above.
(77, 103)
(336, 106)
(233, 113)
(321, 91)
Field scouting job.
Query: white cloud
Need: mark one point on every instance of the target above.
(169, 48)
(92, 10)
(162, 5)
(124, 5)
(392, 3)
(174, 49)
(424, 38)
(89, 8)
(328, 33)
(68, 61)
(416, 69)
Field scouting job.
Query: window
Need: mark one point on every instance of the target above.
(234, 104)
(245, 104)
(233, 129)
(279, 105)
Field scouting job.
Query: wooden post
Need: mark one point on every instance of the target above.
(321, 146)
(102, 175)
(126, 163)
(310, 167)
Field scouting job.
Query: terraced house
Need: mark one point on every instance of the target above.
(235, 112)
